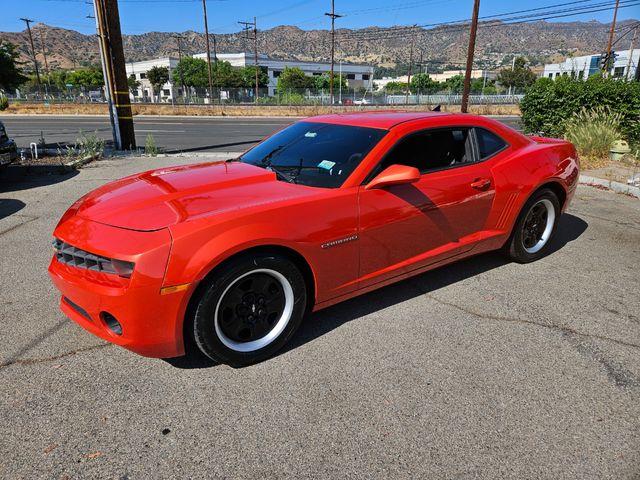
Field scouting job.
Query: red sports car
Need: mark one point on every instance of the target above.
(229, 256)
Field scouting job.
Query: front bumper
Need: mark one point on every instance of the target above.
(151, 322)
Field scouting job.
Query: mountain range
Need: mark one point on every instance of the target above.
(497, 42)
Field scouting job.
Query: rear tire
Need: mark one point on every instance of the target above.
(249, 309)
(534, 228)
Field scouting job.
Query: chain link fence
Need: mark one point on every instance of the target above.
(267, 96)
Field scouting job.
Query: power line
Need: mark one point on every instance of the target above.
(508, 17)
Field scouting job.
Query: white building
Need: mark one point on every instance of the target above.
(356, 75)
(587, 65)
(145, 91)
(439, 77)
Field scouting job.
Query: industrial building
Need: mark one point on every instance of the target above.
(625, 65)
(356, 75)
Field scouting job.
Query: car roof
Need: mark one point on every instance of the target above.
(384, 119)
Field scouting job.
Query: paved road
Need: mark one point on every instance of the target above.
(171, 133)
(483, 369)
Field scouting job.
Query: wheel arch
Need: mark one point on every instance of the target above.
(298, 259)
(554, 185)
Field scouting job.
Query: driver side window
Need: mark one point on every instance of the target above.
(432, 150)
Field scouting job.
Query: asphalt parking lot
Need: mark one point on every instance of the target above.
(482, 369)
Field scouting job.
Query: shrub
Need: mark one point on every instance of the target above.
(150, 147)
(593, 132)
(4, 102)
(90, 145)
(548, 105)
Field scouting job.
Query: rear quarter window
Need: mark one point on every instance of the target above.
(489, 143)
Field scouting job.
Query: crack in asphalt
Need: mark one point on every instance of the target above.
(34, 361)
(632, 225)
(617, 373)
(551, 326)
(29, 219)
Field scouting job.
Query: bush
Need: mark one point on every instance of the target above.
(4, 102)
(90, 145)
(593, 132)
(150, 147)
(548, 105)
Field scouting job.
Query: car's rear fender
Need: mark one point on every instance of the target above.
(539, 165)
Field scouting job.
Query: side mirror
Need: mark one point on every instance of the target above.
(394, 175)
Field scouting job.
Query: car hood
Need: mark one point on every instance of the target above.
(161, 198)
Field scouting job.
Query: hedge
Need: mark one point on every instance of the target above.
(548, 104)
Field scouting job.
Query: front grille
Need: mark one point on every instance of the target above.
(76, 257)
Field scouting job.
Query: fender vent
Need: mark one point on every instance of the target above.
(506, 211)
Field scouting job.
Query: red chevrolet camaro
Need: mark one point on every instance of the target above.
(228, 256)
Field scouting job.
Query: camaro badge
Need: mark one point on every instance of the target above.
(339, 242)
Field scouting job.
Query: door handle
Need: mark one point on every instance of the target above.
(481, 183)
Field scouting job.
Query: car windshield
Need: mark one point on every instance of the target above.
(314, 154)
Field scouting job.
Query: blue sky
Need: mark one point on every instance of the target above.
(139, 16)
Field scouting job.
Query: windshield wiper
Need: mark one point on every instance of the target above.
(266, 161)
(280, 174)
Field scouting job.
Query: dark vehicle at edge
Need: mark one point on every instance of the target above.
(8, 149)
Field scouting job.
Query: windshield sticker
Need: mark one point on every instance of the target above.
(311, 134)
(326, 164)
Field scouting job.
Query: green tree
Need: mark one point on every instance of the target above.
(57, 78)
(455, 84)
(294, 77)
(87, 77)
(157, 77)
(191, 72)
(395, 87)
(322, 81)
(10, 73)
(518, 77)
(421, 82)
(133, 83)
(248, 75)
(478, 85)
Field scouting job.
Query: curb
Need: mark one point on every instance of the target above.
(17, 171)
(75, 164)
(615, 186)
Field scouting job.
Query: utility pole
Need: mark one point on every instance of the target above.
(206, 34)
(633, 41)
(33, 53)
(413, 39)
(246, 28)
(46, 65)
(470, 53)
(333, 16)
(184, 88)
(605, 65)
(115, 73)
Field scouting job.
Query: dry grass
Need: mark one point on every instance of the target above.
(241, 110)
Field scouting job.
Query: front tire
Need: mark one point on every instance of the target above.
(249, 309)
(534, 228)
